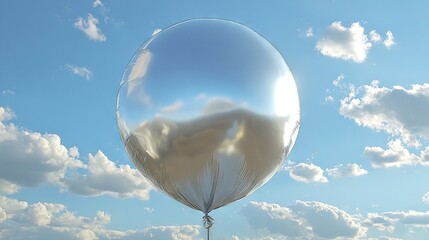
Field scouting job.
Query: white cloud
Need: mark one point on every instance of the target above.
(307, 173)
(6, 114)
(375, 37)
(350, 169)
(89, 27)
(46, 221)
(185, 232)
(74, 152)
(390, 40)
(97, 3)
(337, 80)
(425, 198)
(424, 156)
(378, 221)
(7, 187)
(344, 43)
(275, 218)
(389, 221)
(11, 207)
(306, 220)
(309, 32)
(176, 106)
(30, 158)
(104, 177)
(265, 237)
(385, 238)
(396, 111)
(22, 220)
(395, 156)
(38, 214)
(80, 71)
(156, 31)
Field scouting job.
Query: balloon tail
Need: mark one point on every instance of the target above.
(208, 223)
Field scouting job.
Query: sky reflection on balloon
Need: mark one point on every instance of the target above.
(207, 110)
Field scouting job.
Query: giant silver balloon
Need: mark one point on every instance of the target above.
(207, 110)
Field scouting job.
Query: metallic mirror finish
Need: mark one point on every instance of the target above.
(207, 110)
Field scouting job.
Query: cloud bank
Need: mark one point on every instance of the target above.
(303, 220)
(29, 159)
(23, 220)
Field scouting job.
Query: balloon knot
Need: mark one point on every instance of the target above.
(208, 221)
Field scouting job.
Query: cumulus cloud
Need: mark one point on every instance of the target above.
(80, 71)
(350, 169)
(275, 218)
(6, 114)
(374, 36)
(390, 40)
(22, 220)
(89, 27)
(30, 158)
(389, 221)
(46, 221)
(395, 156)
(397, 111)
(378, 221)
(306, 220)
(104, 177)
(306, 172)
(344, 43)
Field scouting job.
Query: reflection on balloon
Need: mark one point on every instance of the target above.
(207, 110)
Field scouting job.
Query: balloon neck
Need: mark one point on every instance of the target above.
(208, 221)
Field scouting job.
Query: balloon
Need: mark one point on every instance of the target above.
(207, 110)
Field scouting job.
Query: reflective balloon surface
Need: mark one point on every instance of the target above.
(207, 110)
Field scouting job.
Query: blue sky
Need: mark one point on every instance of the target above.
(358, 170)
